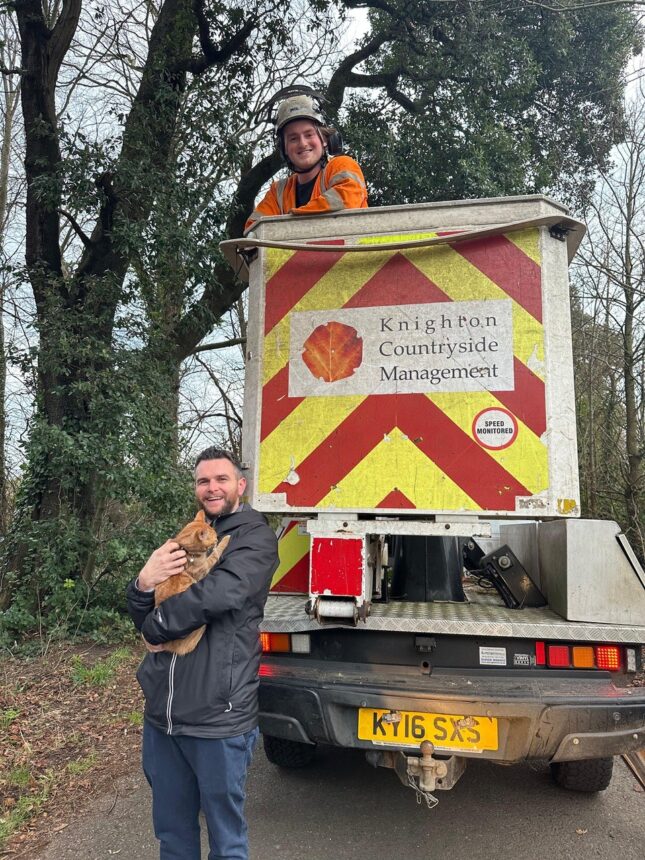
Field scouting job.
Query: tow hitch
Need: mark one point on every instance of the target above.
(424, 773)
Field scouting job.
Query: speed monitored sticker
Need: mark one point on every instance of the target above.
(495, 428)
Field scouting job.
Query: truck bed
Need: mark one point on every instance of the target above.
(483, 615)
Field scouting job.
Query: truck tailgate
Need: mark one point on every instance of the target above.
(486, 617)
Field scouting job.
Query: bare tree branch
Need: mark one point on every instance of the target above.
(224, 344)
(85, 239)
(213, 54)
(339, 82)
(569, 7)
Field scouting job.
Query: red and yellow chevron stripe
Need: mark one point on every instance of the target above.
(403, 451)
(292, 575)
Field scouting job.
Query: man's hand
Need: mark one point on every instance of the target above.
(168, 560)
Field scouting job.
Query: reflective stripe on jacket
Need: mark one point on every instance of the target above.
(339, 185)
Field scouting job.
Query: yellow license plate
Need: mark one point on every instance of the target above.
(445, 731)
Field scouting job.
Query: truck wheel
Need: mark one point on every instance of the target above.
(286, 753)
(586, 775)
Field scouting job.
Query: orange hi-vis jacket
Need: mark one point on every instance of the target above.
(339, 185)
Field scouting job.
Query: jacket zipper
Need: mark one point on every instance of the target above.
(171, 692)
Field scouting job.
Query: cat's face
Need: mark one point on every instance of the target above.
(197, 536)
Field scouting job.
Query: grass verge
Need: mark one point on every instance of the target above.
(70, 724)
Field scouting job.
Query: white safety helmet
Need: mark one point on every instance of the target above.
(303, 103)
(296, 107)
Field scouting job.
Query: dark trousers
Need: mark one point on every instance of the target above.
(187, 774)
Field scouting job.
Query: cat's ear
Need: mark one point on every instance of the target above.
(204, 535)
(201, 517)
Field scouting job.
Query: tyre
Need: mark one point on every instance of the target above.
(286, 753)
(588, 775)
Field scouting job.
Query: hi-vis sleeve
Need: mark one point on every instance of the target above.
(269, 205)
(340, 185)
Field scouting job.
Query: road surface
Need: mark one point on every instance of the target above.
(341, 808)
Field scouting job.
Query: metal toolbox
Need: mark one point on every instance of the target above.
(590, 573)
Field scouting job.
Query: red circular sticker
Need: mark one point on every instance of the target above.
(495, 428)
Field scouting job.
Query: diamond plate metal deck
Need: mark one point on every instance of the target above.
(486, 617)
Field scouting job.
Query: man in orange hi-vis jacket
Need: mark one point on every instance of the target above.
(322, 180)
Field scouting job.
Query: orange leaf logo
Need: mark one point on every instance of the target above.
(333, 351)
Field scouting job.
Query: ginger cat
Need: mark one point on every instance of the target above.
(196, 538)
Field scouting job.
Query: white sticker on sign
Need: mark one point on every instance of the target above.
(495, 428)
(447, 346)
(492, 656)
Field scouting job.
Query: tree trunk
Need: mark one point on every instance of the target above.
(11, 97)
(75, 314)
(634, 476)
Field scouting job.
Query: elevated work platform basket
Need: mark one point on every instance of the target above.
(412, 360)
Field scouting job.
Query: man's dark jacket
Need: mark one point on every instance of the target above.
(211, 692)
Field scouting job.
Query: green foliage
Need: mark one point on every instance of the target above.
(82, 765)
(503, 99)
(135, 718)
(26, 806)
(598, 351)
(7, 717)
(103, 483)
(600, 415)
(75, 560)
(19, 776)
(100, 673)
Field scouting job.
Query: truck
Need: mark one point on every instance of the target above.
(409, 419)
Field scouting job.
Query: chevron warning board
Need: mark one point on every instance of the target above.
(292, 575)
(404, 380)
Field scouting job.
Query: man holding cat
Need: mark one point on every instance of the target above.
(201, 714)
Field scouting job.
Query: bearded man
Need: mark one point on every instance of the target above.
(201, 711)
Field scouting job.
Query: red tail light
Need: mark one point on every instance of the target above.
(558, 656)
(608, 657)
(275, 642)
(540, 654)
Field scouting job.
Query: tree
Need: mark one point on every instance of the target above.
(600, 410)
(612, 295)
(490, 97)
(9, 50)
(92, 390)
(146, 197)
